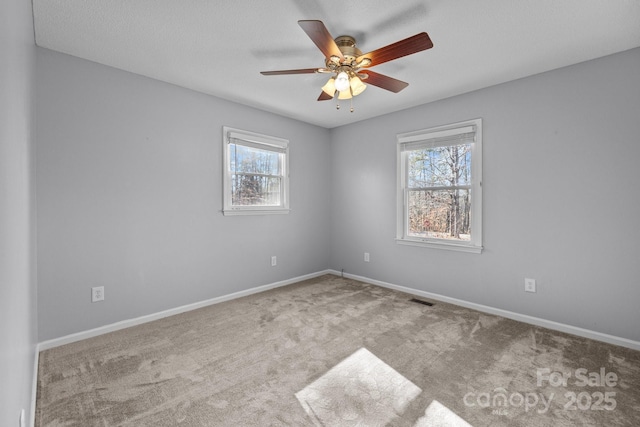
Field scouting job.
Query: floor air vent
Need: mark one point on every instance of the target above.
(421, 302)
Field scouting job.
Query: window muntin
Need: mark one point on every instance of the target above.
(255, 178)
(439, 194)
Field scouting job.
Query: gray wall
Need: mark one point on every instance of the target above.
(561, 198)
(129, 197)
(17, 281)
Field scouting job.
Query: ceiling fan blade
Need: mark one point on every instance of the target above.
(324, 96)
(281, 72)
(319, 34)
(384, 82)
(396, 50)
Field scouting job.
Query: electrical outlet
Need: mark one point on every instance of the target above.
(97, 294)
(274, 261)
(529, 285)
(366, 257)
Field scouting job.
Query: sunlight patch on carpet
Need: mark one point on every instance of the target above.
(360, 390)
(438, 415)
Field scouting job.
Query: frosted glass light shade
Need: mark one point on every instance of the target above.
(357, 87)
(330, 87)
(345, 94)
(342, 81)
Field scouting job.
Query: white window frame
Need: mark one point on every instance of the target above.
(433, 137)
(262, 142)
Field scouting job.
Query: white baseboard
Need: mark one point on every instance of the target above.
(549, 324)
(574, 330)
(67, 339)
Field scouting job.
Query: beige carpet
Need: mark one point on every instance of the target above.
(336, 352)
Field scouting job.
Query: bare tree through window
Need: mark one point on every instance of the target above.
(256, 176)
(439, 192)
(256, 173)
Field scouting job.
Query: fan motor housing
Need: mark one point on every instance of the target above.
(347, 46)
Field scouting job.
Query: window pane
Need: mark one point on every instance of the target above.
(255, 190)
(439, 166)
(253, 160)
(255, 178)
(441, 214)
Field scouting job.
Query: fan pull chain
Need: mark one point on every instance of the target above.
(351, 100)
(351, 109)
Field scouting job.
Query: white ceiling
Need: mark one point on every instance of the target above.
(219, 47)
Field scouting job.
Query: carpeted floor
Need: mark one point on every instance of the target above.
(336, 352)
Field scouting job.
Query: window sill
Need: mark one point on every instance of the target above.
(234, 212)
(450, 246)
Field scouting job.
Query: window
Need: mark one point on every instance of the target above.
(256, 178)
(439, 187)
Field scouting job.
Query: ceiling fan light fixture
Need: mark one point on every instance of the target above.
(357, 87)
(330, 87)
(345, 94)
(342, 81)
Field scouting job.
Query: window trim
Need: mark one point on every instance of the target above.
(434, 137)
(262, 142)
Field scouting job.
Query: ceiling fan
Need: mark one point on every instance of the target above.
(349, 65)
